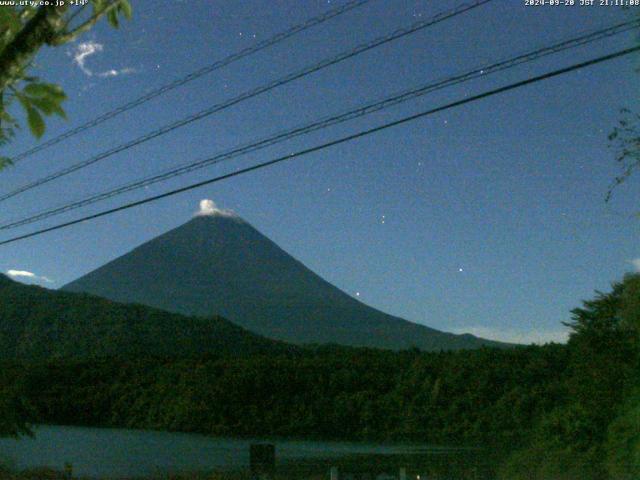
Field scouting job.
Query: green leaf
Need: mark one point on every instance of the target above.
(98, 5)
(45, 105)
(112, 17)
(36, 123)
(50, 90)
(48, 106)
(37, 90)
(5, 162)
(125, 8)
(9, 20)
(57, 109)
(5, 117)
(28, 12)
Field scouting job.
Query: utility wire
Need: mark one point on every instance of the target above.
(481, 71)
(277, 38)
(250, 94)
(348, 138)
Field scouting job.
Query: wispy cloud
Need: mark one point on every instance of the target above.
(636, 264)
(513, 335)
(83, 50)
(115, 73)
(24, 274)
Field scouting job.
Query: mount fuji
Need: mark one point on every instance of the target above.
(218, 264)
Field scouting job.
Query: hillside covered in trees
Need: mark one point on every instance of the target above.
(41, 324)
(550, 412)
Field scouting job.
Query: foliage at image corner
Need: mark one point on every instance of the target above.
(624, 140)
(23, 32)
(595, 432)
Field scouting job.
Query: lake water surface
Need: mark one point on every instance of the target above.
(117, 453)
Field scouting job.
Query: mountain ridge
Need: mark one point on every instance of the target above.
(220, 264)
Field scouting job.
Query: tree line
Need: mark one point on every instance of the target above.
(553, 411)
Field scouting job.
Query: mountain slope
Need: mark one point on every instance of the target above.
(40, 324)
(220, 264)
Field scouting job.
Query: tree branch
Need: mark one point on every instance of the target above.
(40, 30)
(69, 36)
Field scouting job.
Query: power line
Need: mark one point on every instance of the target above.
(228, 60)
(332, 143)
(402, 32)
(385, 103)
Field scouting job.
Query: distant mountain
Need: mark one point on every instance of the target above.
(41, 324)
(219, 264)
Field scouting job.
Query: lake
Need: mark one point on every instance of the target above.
(114, 453)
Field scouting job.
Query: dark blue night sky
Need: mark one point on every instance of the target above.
(488, 218)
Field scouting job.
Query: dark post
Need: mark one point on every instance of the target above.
(262, 460)
(68, 471)
(333, 473)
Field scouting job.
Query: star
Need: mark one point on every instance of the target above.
(460, 270)
(357, 294)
